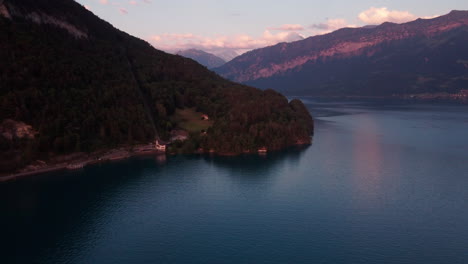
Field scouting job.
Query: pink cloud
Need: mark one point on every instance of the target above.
(87, 7)
(173, 42)
(123, 11)
(288, 27)
(133, 2)
(104, 2)
(239, 43)
(328, 26)
(377, 16)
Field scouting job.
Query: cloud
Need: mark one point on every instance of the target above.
(280, 37)
(241, 43)
(377, 16)
(238, 43)
(288, 27)
(430, 17)
(122, 6)
(331, 24)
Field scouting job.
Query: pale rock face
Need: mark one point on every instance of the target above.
(4, 11)
(42, 18)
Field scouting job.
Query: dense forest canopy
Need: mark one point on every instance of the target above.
(83, 86)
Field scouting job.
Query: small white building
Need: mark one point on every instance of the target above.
(262, 150)
(160, 146)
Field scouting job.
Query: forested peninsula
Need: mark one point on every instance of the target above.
(71, 83)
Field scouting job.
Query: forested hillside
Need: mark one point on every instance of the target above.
(83, 85)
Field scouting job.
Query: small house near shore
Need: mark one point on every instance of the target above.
(160, 146)
(262, 150)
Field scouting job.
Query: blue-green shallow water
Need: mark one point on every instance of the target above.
(378, 185)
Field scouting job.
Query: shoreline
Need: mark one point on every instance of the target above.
(115, 155)
(109, 156)
(451, 99)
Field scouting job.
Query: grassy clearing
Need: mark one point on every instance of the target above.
(190, 120)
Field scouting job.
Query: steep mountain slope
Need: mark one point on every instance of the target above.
(70, 82)
(423, 56)
(204, 58)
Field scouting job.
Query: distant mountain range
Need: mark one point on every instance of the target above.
(423, 57)
(226, 55)
(204, 58)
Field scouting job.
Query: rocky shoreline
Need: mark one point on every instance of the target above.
(112, 155)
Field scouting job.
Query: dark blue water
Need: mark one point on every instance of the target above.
(380, 184)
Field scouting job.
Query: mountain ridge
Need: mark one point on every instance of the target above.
(261, 66)
(204, 58)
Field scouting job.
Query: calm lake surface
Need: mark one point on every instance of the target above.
(380, 184)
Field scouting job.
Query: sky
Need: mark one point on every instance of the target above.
(220, 26)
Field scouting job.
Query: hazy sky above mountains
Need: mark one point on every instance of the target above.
(225, 25)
